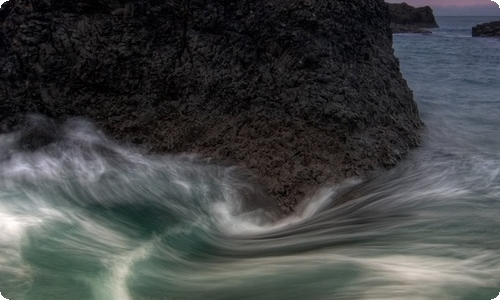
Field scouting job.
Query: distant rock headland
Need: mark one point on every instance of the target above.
(408, 19)
(301, 93)
(491, 29)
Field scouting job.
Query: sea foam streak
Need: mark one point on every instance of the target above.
(84, 217)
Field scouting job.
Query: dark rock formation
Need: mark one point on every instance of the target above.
(409, 19)
(491, 29)
(300, 92)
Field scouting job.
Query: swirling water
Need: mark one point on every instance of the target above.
(82, 217)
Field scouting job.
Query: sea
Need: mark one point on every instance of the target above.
(83, 217)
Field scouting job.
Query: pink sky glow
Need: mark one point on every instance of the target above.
(457, 7)
(447, 2)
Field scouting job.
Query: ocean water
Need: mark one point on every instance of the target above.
(82, 217)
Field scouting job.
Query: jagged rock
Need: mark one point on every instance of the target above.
(301, 93)
(408, 19)
(491, 29)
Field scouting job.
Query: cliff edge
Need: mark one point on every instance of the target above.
(301, 93)
(408, 19)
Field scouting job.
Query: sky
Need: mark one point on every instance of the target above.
(451, 7)
(457, 7)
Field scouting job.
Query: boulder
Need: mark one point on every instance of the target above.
(301, 93)
(491, 29)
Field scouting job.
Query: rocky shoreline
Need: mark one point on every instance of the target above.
(491, 29)
(300, 93)
(408, 19)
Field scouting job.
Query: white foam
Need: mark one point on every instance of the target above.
(404, 276)
(116, 283)
(414, 277)
(230, 219)
(13, 226)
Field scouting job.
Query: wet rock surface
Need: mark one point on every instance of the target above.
(491, 29)
(408, 19)
(302, 93)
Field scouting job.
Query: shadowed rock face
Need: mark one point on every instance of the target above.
(491, 29)
(301, 93)
(409, 19)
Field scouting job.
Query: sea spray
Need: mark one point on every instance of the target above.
(83, 217)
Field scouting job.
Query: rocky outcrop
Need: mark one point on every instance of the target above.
(491, 29)
(301, 93)
(409, 19)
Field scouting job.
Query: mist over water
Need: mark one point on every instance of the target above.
(82, 217)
